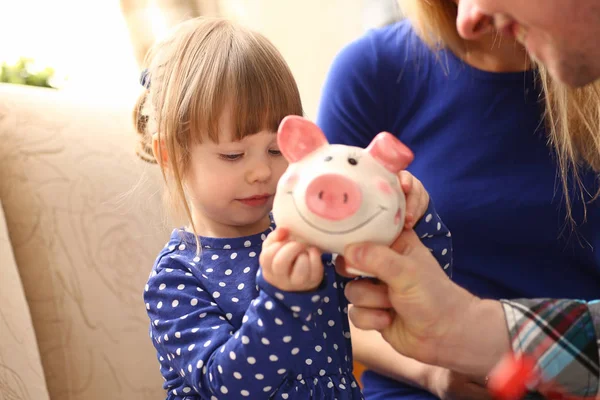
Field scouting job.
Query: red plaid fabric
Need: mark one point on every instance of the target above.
(563, 336)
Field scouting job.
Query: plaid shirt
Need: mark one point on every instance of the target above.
(563, 336)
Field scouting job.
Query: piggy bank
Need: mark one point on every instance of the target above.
(333, 195)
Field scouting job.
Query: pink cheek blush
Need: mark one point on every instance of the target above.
(289, 181)
(384, 187)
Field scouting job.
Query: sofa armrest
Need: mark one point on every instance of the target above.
(21, 373)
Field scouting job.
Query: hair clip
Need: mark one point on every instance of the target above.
(145, 78)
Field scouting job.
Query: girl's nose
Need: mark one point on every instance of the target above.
(260, 172)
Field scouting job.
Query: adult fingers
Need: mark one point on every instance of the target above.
(368, 294)
(369, 318)
(393, 265)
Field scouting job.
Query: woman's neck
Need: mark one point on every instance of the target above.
(494, 53)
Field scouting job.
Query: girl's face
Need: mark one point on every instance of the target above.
(231, 184)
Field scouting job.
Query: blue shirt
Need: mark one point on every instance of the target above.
(481, 151)
(222, 332)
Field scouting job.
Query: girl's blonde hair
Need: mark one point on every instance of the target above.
(572, 115)
(203, 66)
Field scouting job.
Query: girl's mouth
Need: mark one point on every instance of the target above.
(256, 201)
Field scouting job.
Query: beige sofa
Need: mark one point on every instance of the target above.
(80, 224)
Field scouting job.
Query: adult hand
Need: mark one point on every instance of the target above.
(419, 310)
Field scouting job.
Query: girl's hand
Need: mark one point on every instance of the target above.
(289, 265)
(417, 198)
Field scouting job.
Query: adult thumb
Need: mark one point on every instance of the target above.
(387, 263)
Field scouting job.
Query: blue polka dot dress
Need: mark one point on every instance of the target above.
(222, 332)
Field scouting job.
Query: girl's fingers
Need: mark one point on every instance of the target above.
(316, 268)
(268, 254)
(278, 235)
(285, 257)
(300, 272)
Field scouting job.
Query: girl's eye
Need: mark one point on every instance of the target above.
(231, 157)
(275, 152)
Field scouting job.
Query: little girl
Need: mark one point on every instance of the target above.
(216, 93)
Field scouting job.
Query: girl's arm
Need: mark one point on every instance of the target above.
(370, 349)
(215, 357)
(436, 236)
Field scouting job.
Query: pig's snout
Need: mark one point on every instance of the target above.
(333, 197)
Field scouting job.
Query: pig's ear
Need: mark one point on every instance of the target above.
(390, 152)
(297, 137)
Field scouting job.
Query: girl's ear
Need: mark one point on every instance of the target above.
(160, 151)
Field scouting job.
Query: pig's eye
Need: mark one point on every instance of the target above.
(328, 158)
(352, 161)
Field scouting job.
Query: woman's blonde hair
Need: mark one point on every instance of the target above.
(572, 115)
(203, 66)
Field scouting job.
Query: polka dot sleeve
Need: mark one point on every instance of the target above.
(214, 357)
(302, 304)
(436, 237)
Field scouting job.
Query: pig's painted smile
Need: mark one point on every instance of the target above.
(360, 225)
